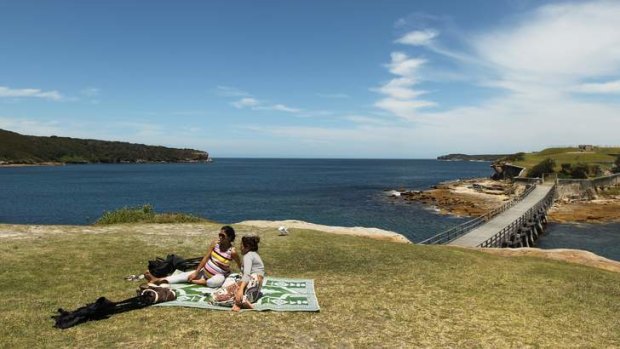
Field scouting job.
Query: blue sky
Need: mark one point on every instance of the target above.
(361, 79)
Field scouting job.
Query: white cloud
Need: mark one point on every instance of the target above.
(6, 92)
(541, 59)
(604, 87)
(401, 98)
(246, 102)
(418, 37)
(284, 108)
(570, 40)
(30, 127)
(255, 104)
(402, 65)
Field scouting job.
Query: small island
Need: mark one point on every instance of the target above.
(22, 150)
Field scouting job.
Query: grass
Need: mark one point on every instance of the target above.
(372, 294)
(603, 156)
(145, 214)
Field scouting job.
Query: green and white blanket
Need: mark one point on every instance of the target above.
(279, 294)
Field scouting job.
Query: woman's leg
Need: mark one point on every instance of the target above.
(178, 278)
(216, 281)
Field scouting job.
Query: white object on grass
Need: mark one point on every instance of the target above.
(283, 230)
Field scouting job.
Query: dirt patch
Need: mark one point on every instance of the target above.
(565, 255)
(471, 198)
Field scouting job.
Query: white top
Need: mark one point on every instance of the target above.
(252, 264)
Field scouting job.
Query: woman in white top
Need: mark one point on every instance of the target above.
(248, 290)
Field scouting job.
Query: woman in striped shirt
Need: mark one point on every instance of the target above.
(213, 268)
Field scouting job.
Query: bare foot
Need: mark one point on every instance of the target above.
(247, 305)
(154, 280)
(148, 276)
(235, 307)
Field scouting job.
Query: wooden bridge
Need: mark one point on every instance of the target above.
(517, 223)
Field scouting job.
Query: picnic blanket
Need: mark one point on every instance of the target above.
(279, 294)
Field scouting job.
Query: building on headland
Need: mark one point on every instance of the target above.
(586, 147)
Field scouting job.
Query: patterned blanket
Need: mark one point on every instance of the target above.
(279, 294)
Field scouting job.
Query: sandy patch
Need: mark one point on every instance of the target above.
(373, 233)
(565, 255)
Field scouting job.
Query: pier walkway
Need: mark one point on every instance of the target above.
(504, 221)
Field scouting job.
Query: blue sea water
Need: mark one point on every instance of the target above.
(602, 239)
(323, 191)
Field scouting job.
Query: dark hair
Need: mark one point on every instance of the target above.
(250, 242)
(230, 232)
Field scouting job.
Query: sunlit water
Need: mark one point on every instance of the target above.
(331, 192)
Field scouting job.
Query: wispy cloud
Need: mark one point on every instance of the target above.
(30, 126)
(418, 37)
(539, 60)
(401, 98)
(6, 92)
(245, 103)
(604, 87)
(279, 107)
(556, 43)
(255, 104)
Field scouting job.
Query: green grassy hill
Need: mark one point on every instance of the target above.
(372, 293)
(20, 149)
(602, 156)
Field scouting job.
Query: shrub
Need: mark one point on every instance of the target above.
(579, 171)
(617, 163)
(520, 156)
(144, 214)
(545, 166)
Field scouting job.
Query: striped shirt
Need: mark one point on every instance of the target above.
(219, 262)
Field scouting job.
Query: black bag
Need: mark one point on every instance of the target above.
(163, 267)
(103, 308)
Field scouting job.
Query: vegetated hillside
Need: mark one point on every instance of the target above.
(465, 157)
(407, 296)
(20, 149)
(601, 156)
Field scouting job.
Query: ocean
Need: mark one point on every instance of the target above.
(323, 191)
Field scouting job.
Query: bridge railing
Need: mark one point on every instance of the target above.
(504, 235)
(463, 228)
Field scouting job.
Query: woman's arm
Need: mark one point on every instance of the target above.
(240, 291)
(203, 262)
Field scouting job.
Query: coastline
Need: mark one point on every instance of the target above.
(38, 164)
(475, 197)
(373, 233)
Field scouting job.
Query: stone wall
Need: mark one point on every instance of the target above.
(585, 188)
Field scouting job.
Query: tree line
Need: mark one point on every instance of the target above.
(20, 149)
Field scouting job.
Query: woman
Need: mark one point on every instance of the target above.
(213, 268)
(249, 287)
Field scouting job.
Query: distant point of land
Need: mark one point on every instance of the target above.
(17, 149)
(465, 157)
